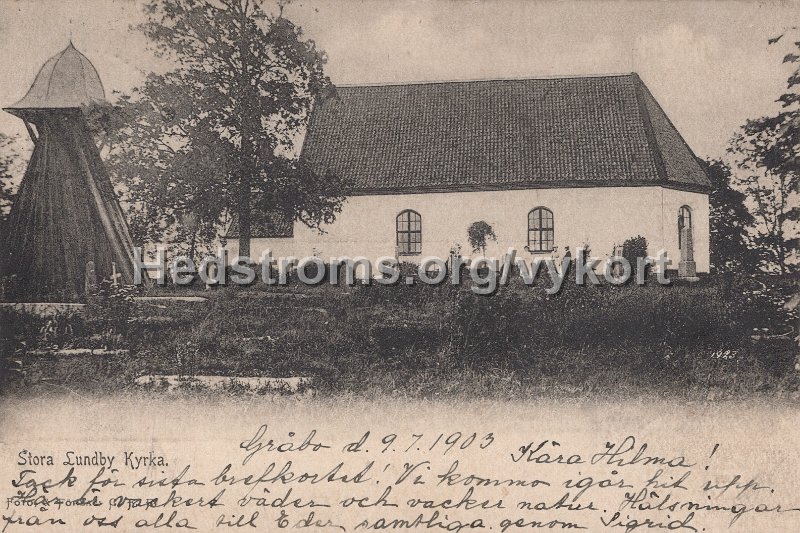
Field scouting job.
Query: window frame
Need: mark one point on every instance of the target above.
(408, 232)
(541, 230)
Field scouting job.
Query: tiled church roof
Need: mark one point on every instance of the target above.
(500, 134)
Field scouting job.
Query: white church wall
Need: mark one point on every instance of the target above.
(601, 217)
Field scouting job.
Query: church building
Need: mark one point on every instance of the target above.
(548, 163)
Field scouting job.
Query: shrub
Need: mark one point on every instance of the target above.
(632, 250)
(109, 312)
(479, 233)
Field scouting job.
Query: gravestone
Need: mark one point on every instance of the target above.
(114, 274)
(212, 271)
(687, 268)
(90, 279)
(616, 270)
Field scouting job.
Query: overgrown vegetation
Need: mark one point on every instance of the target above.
(632, 250)
(730, 335)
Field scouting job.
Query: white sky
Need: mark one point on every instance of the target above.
(707, 63)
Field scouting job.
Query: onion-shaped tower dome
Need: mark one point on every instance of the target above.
(66, 80)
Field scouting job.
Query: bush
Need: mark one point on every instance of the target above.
(632, 250)
(479, 233)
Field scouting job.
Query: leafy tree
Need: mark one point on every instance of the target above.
(216, 135)
(479, 233)
(768, 153)
(729, 221)
(8, 159)
(173, 174)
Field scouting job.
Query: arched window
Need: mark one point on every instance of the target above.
(684, 221)
(540, 230)
(409, 232)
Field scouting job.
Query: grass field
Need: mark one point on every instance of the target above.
(719, 338)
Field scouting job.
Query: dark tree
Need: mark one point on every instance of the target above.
(216, 136)
(730, 219)
(768, 154)
(172, 174)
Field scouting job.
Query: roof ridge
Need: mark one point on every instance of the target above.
(486, 80)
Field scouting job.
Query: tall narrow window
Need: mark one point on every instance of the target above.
(409, 232)
(684, 221)
(540, 230)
